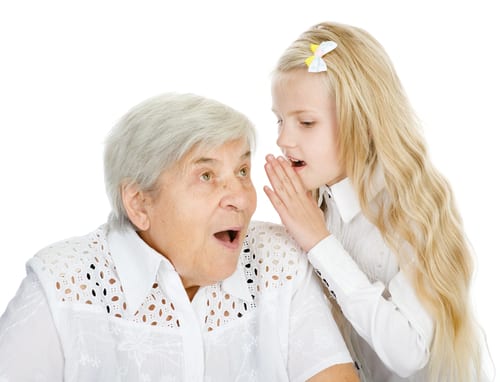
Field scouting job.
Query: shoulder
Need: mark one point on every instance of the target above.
(272, 237)
(73, 250)
(72, 269)
(268, 239)
(271, 256)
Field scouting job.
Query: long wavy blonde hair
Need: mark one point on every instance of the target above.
(378, 130)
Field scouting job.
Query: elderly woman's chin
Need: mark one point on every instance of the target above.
(228, 247)
(208, 258)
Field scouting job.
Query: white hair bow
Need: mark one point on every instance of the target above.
(315, 62)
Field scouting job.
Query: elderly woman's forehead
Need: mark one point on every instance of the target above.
(204, 149)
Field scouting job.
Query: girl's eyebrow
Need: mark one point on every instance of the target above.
(295, 112)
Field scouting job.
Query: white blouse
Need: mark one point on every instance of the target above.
(392, 331)
(107, 307)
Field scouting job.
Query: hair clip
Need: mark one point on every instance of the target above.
(315, 63)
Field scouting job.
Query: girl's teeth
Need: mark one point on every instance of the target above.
(298, 163)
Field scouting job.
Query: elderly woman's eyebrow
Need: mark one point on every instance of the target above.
(203, 160)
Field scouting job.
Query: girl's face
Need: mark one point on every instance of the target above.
(307, 127)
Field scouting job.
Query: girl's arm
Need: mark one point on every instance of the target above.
(389, 317)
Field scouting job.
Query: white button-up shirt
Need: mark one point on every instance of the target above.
(107, 307)
(392, 330)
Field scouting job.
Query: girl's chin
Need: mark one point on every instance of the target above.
(309, 184)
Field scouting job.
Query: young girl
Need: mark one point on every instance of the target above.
(357, 190)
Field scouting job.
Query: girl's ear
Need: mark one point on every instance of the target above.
(134, 202)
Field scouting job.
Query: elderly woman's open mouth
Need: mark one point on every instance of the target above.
(229, 238)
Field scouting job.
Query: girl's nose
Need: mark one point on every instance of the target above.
(285, 138)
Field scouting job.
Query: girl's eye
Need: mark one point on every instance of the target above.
(307, 123)
(279, 123)
(206, 176)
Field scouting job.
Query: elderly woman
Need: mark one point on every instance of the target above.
(178, 285)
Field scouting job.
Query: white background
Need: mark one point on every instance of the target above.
(69, 70)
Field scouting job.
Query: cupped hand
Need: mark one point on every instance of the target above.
(295, 205)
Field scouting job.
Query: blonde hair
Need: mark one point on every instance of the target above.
(378, 130)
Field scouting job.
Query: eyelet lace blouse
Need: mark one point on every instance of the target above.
(107, 307)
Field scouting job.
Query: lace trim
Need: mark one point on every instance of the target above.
(84, 273)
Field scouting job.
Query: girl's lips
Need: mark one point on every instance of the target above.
(299, 163)
(296, 162)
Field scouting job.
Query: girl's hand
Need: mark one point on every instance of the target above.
(295, 205)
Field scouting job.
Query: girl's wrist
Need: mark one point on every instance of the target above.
(317, 239)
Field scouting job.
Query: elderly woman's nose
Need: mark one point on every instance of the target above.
(235, 194)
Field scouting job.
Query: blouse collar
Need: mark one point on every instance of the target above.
(137, 265)
(346, 198)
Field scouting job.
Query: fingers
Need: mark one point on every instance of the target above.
(276, 176)
(284, 180)
(291, 175)
(275, 201)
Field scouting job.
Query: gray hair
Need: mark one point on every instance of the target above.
(155, 134)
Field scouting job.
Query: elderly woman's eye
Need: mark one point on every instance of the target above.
(206, 176)
(244, 171)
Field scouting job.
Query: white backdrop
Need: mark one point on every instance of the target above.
(69, 70)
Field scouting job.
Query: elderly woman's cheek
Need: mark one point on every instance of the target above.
(252, 199)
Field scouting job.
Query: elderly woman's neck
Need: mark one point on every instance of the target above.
(191, 291)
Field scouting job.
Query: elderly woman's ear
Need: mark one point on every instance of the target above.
(134, 202)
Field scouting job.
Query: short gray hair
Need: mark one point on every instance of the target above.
(157, 133)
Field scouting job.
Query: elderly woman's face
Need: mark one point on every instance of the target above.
(200, 211)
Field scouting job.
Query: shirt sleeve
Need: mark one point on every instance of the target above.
(29, 344)
(398, 327)
(315, 340)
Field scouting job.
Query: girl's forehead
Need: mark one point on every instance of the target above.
(301, 90)
(300, 79)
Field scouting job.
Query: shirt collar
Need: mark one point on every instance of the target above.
(137, 265)
(346, 198)
(236, 284)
